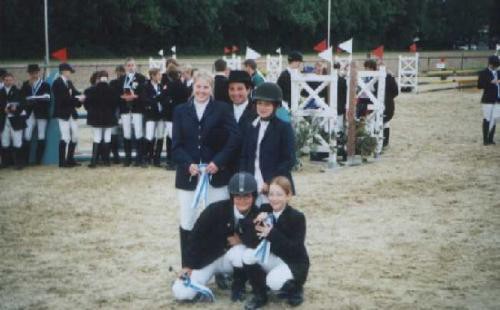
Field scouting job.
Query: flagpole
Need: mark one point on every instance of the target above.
(46, 15)
(329, 13)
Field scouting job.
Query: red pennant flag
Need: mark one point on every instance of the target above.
(379, 52)
(227, 50)
(321, 46)
(413, 48)
(61, 54)
(235, 49)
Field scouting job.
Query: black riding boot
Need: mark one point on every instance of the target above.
(238, 285)
(106, 150)
(70, 161)
(114, 149)
(257, 278)
(139, 153)
(26, 149)
(18, 158)
(40, 149)
(185, 235)
(95, 153)
(100, 155)
(148, 151)
(170, 163)
(157, 152)
(293, 293)
(5, 157)
(62, 154)
(127, 146)
(491, 135)
(486, 128)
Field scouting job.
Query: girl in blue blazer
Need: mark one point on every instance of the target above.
(268, 143)
(205, 135)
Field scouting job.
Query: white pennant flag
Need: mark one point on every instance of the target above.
(498, 47)
(346, 46)
(326, 54)
(251, 54)
(173, 49)
(160, 52)
(278, 50)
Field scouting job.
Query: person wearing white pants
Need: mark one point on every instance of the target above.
(115, 139)
(204, 132)
(36, 92)
(154, 103)
(216, 244)
(489, 82)
(131, 111)
(12, 122)
(101, 104)
(176, 93)
(283, 228)
(66, 103)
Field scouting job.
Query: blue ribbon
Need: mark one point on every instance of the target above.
(203, 290)
(36, 86)
(263, 250)
(201, 187)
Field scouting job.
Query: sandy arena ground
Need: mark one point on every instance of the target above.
(417, 229)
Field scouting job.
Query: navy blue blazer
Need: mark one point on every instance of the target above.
(490, 91)
(277, 150)
(288, 241)
(40, 107)
(214, 138)
(64, 98)
(150, 98)
(17, 121)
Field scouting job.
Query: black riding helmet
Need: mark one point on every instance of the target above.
(268, 91)
(242, 183)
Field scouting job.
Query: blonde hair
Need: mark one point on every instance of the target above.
(284, 183)
(129, 59)
(153, 72)
(205, 76)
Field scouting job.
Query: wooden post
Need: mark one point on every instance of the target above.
(351, 112)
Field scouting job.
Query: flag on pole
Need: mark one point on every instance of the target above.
(160, 52)
(278, 50)
(379, 52)
(251, 54)
(61, 54)
(413, 48)
(346, 46)
(320, 47)
(174, 49)
(326, 54)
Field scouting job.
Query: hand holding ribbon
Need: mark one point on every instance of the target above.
(202, 186)
(263, 250)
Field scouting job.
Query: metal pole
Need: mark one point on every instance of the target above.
(329, 13)
(46, 15)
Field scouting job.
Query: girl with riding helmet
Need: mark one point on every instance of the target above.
(217, 243)
(268, 143)
(205, 139)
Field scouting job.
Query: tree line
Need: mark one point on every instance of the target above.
(115, 28)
